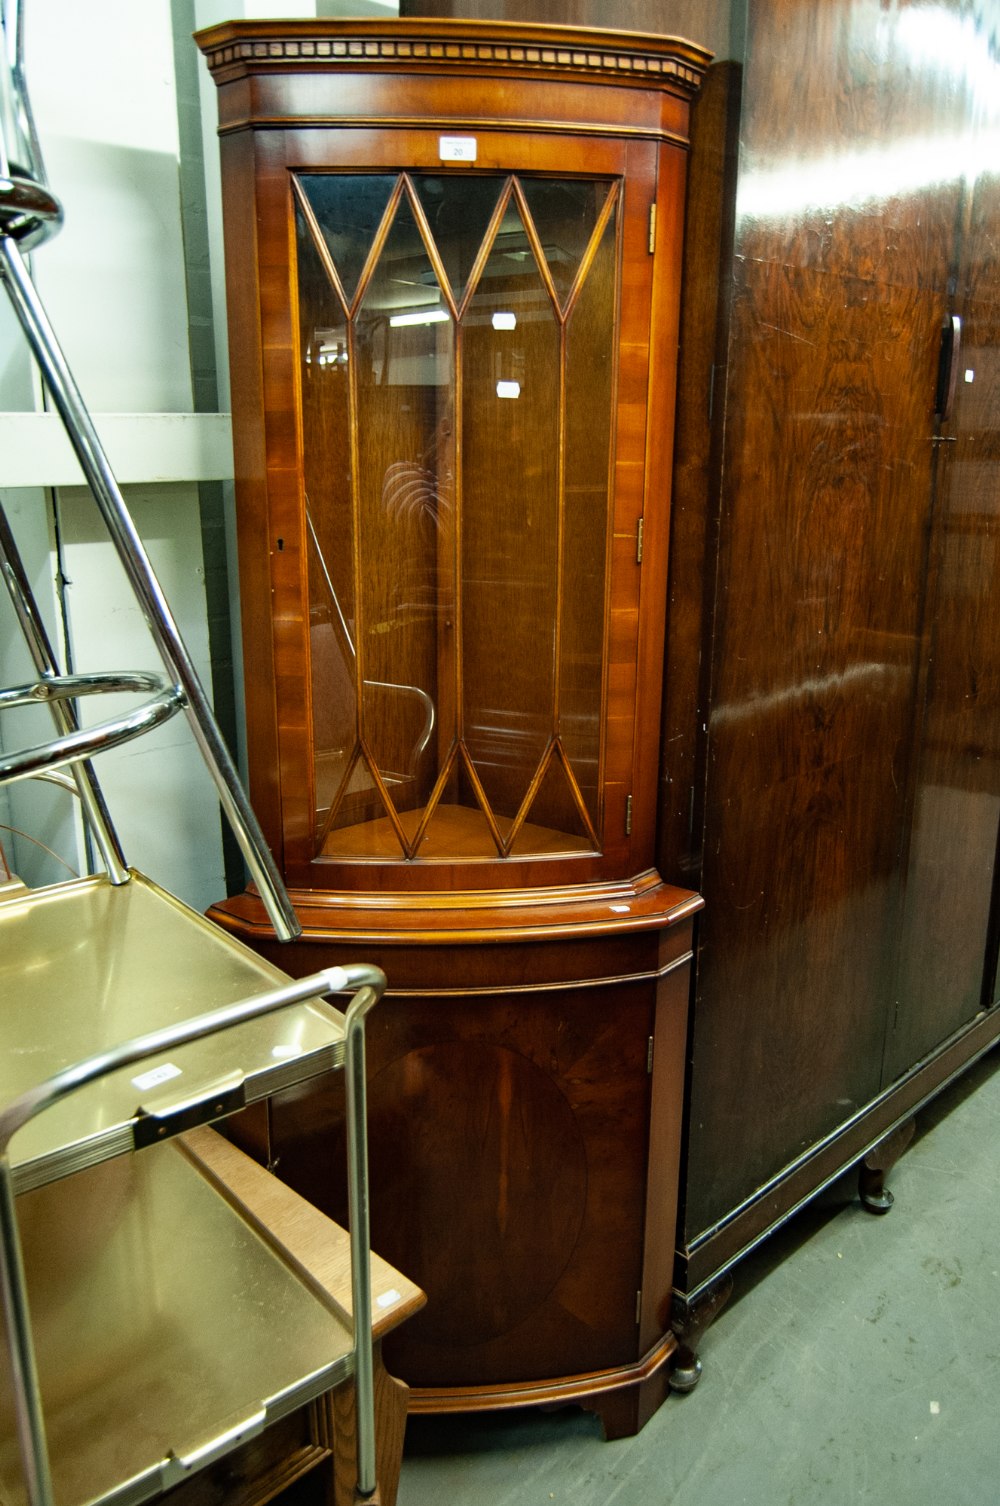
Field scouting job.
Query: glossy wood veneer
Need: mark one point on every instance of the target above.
(848, 700)
(527, 1064)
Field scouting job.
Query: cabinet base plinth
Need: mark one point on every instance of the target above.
(624, 1398)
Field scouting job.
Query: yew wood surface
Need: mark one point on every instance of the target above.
(520, 1197)
(271, 100)
(643, 904)
(523, 1138)
(284, 541)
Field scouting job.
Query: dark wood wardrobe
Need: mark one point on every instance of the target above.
(829, 773)
(839, 796)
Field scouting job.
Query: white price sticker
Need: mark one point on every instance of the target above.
(457, 148)
(155, 1076)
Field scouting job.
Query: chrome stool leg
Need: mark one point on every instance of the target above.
(29, 213)
(83, 435)
(92, 800)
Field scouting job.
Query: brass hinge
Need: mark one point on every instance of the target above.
(639, 539)
(628, 815)
(652, 228)
(638, 1308)
(649, 1057)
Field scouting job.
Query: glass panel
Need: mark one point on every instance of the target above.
(349, 211)
(589, 393)
(384, 382)
(565, 215)
(554, 823)
(327, 475)
(404, 363)
(458, 210)
(510, 529)
(457, 831)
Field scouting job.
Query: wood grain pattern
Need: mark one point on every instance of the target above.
(844, 820)
(633, 695)
(812, 709)
(524, 1122)
(318, 1251)
(391, 1397)
(313, 1449)
(284, 1457)
(234, 49)
(947, 967)
(708, 20)
(701, 373)
(829, 751)
(523, 1152)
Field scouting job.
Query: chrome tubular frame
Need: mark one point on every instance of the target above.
(368, 984)
(28, 214)
(84, 438)
(95, 810)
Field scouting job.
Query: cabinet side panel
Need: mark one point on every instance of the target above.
(669, 1050)
(660, 406)
(243, 296)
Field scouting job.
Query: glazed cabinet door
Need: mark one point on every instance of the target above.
(543, 1100)
(459, 361)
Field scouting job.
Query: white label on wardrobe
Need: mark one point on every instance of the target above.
(508, 389)
(457, 148)
(155, 1076)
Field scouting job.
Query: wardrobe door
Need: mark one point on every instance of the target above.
(838, 286)
(949, 939)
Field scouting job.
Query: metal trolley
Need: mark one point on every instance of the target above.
(165, 1332)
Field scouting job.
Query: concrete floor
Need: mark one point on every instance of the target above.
(858, 1361)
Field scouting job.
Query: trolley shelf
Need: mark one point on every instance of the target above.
(166, 1330)
(86, 964)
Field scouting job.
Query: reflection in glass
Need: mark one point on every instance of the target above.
(589, 388)
(457, 623)
(510, 513)
(323, 342)
(404, 340)
(565, 215)
(348, 211)
(458, 210)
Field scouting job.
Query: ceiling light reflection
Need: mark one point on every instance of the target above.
(935, 52)
(853, 179)
(423, 316)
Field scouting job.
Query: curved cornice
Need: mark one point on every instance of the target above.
(236, 49)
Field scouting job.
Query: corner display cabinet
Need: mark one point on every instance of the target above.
(453, 255)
